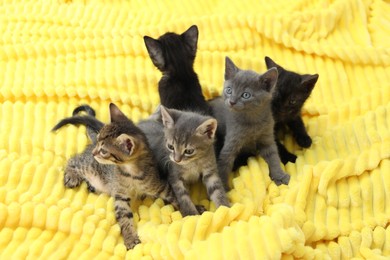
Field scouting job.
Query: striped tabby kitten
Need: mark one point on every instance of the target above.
(183, 144)
(120, 163)
(244, 115)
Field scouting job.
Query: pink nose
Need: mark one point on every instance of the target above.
(177, 158)
(232, 103)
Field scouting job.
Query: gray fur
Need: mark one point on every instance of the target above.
(247, 123)
(121, 164)
(191, 131)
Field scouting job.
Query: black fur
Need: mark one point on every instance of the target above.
(174, 56)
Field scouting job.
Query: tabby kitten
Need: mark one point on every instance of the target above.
(292, 90)
(183, 144)
(245, 116)
(120, 163)
(174, 54)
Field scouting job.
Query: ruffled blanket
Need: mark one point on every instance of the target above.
(55, 55)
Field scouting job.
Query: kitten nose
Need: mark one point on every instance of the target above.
(177, 158)
(232, 103)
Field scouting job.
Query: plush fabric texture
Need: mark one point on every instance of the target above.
(56, 55)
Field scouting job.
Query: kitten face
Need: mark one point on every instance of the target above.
(188, 136)
(120, 141)
(165, 50)
(291, 92)
(111, 150)
(245, 89)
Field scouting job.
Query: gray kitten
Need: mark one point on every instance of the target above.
(183, 145)
(119, 162)
(245, 117)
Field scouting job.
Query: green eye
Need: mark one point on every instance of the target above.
(228, 90)
(189, 151)
(246, 95)
(170, 147)
(103, 152)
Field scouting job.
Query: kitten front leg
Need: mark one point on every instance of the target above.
(226, 161)
(215, 189)
(271, 156)
(186, 205)
(124, 216)
(284, 154)
(73, 175)
(298, 130)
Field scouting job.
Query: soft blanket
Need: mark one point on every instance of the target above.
(55, 55)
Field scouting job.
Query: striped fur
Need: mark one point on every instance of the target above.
(121, 164)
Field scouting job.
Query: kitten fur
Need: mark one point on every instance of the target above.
(244, 115)
(292, 90)
(183, 144)
(120, 163)
(174, 55)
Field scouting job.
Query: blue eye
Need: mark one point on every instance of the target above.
(228, 90)
(246, 95)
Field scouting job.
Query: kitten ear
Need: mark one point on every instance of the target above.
(270, 63)
(167, 119)
(126, 142)
(115, 113)
(207, 128)
(308, 81)
(191, 37)
(230, 69)
(268, 79)
(155, 51)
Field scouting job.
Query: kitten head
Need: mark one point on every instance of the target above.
(246, 89)
(120, 141)
(189, 136)
(173, 53)
(291, 92)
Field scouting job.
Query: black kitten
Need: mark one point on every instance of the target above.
(292, 90)
(174, 54)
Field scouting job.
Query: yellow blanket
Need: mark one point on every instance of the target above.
(55, 56)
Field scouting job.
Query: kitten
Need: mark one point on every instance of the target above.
(292, 90)
(245, 116)
(183, 144)
(120, 163)
(174, 54)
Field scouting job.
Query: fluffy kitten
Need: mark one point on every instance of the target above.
(174, 54)
(244, 115)
(120, 163)
(183, 144)
(292, 90)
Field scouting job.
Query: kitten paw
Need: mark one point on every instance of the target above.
(132, 242)
(190, 212)
(200, 209)
(284, 179)
(288, 157)
(72, 181)
(304, 141)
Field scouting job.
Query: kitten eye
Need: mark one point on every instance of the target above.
(170, 147)
(189, 151)
(103, 152)
(228, 90)
(246, 95)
